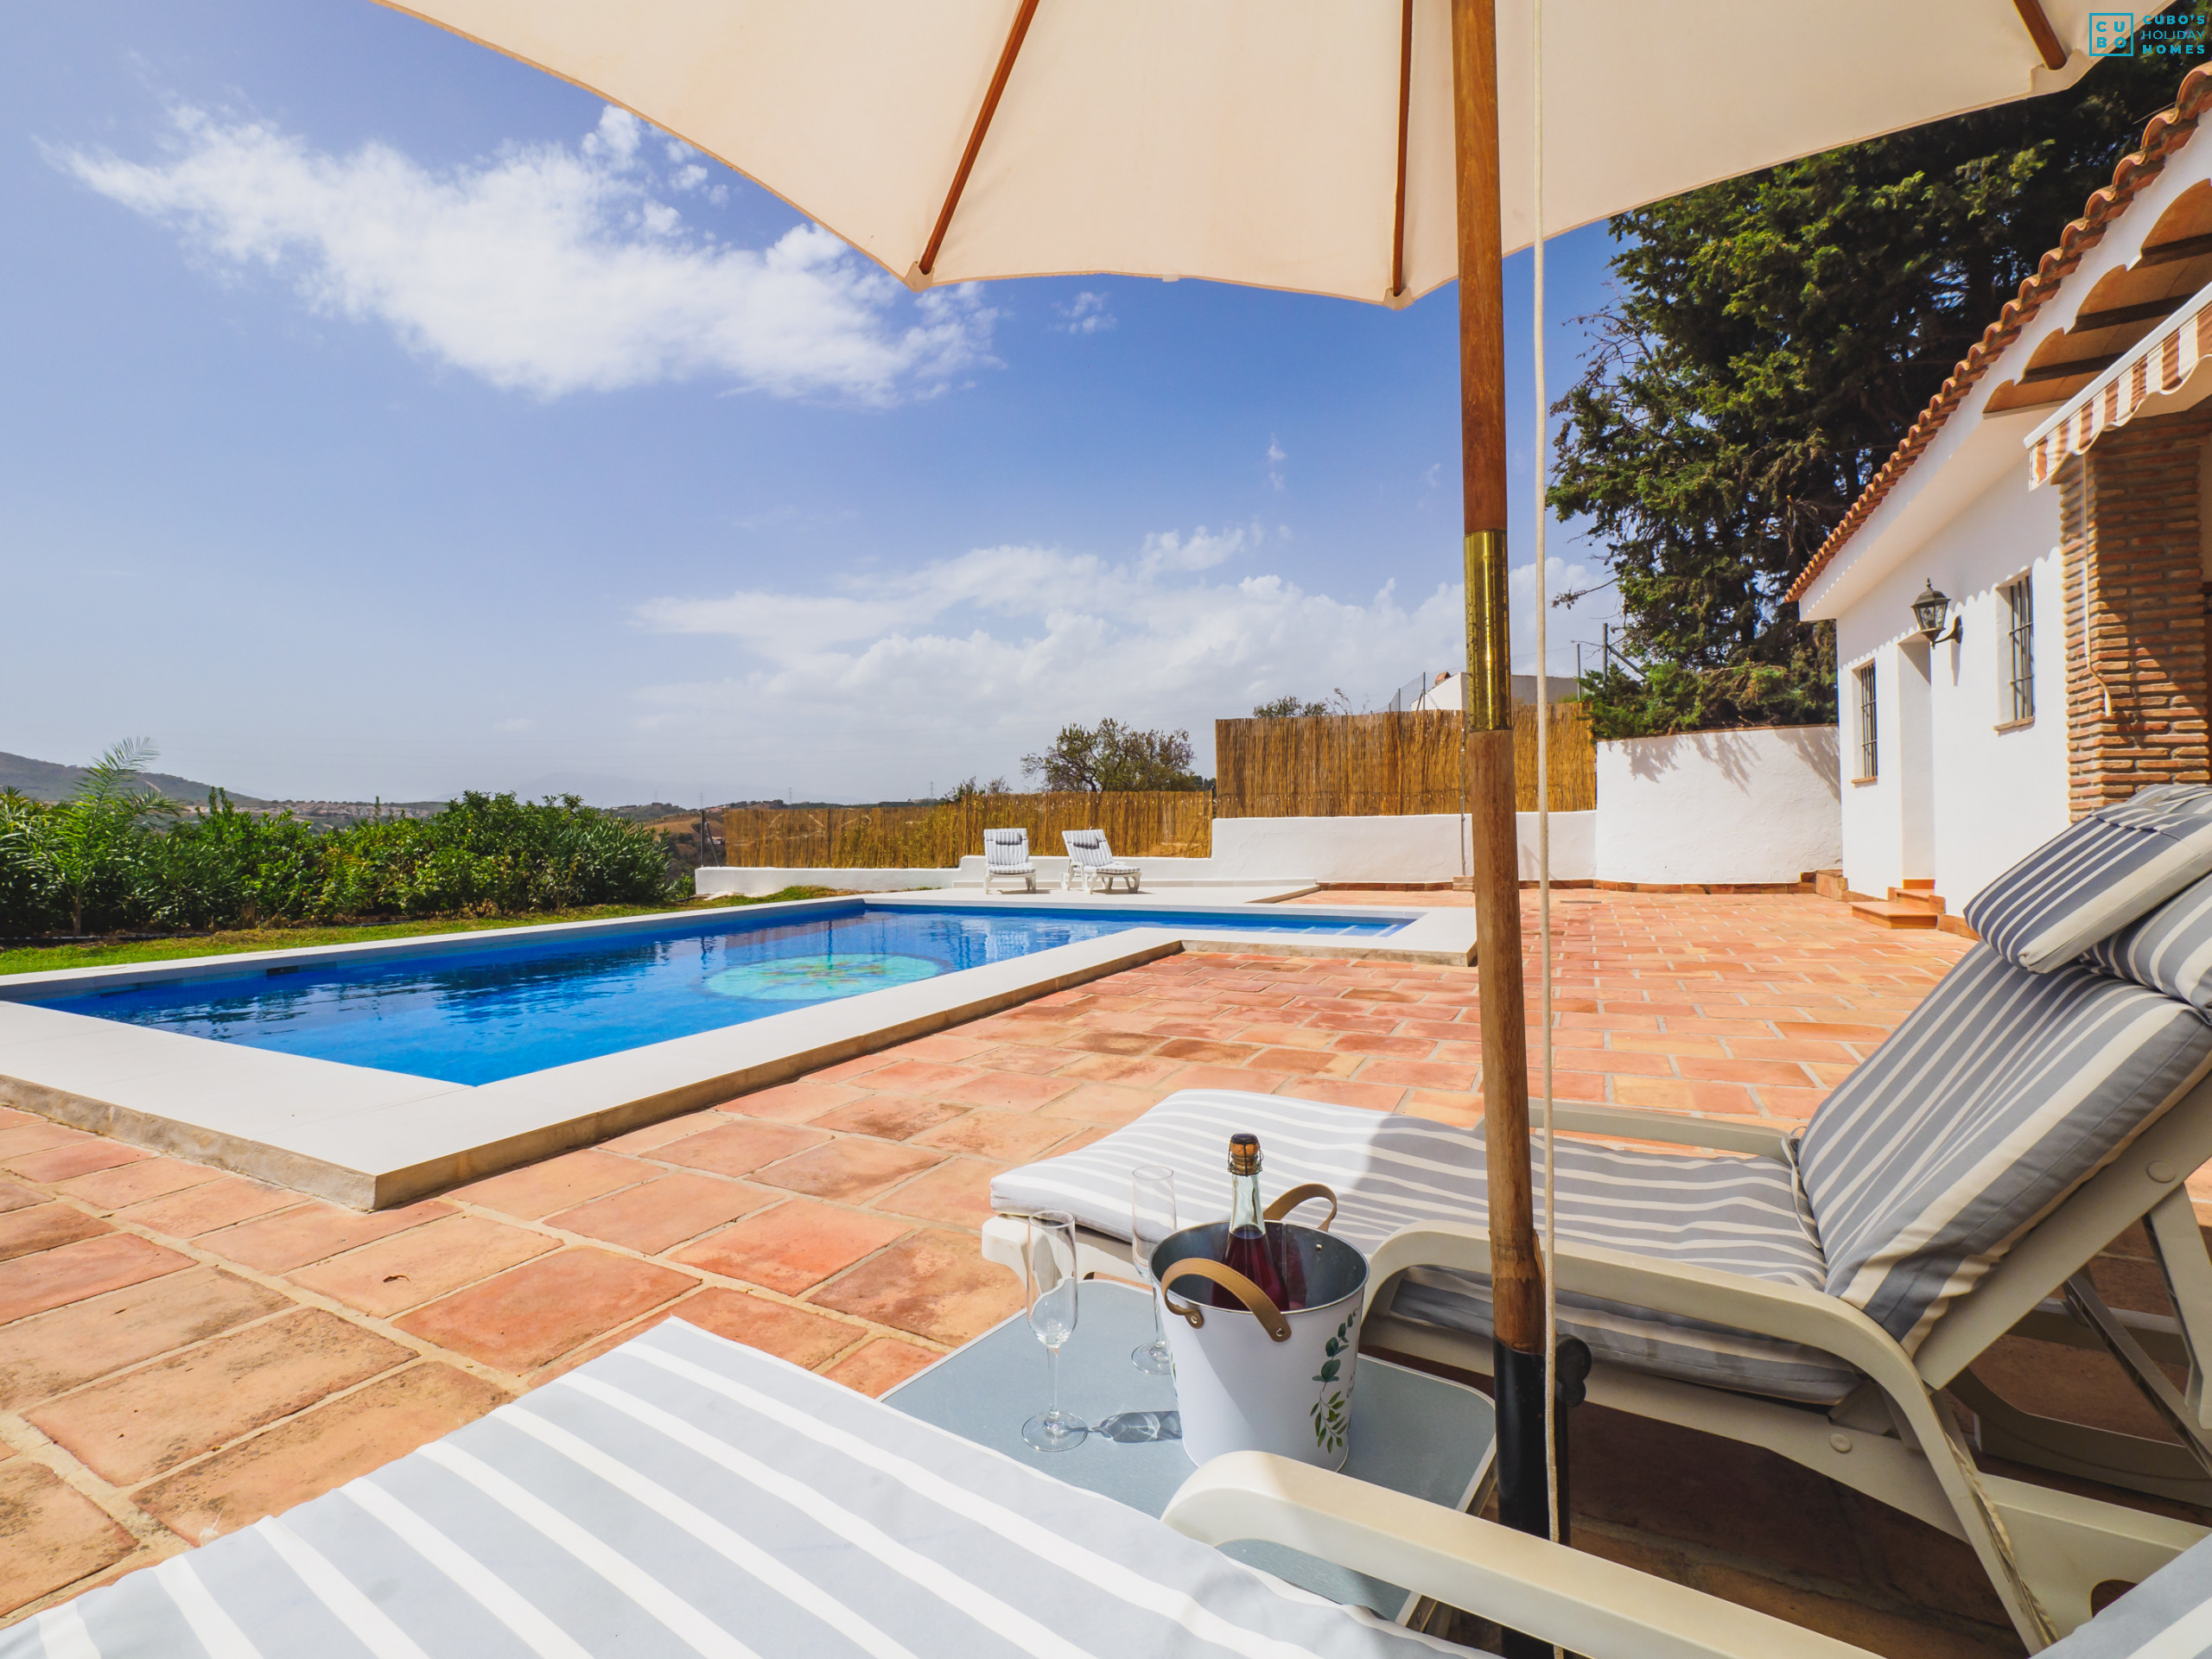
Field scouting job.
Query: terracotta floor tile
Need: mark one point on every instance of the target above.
(318, 1451)
(846, 1070)
(1107, 1103)
(32, 1284)
(78, 1157)
(882, 1365)
(1340, 1091)
(957, 1193)
(412, 1268)
(641, 1142)
(1011, 1137)
(1396, 1048)
(17, 1197)
(888, 1117)
(1303, 1062)
(919, 1078)
(849, 1169)
(1782, 1073)
(204, 1208)
(1811, 1030)
(50, 1536)
(134, 1427)
(69, 1347)
(936, 1285)
(1037, 1062)
(1208, 1053)
(1419, 1074)
(534, 1314)
(46, 1227)
(1021, 1092)
(651, 1217)
(794, 1333)
(792, 1247)
(738, 1148)
(1109, 1042)
(1229, 1077)
(1462, 1111)
(38, 1132)
(1134, 1070)
(149, 1177)
(559, 1183)
(278, 1244)
(795, 1102)
(950, 1046)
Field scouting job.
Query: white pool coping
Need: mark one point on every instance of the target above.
(371, 1139)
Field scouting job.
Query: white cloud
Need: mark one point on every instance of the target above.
(544, 269)
(1276, 456)
(1564, 625)
(969, 663)
(1084, 315)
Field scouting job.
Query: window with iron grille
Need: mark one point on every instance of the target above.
(1864, 676)
(2020, 650)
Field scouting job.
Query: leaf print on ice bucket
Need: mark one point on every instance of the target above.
(1245, 1375)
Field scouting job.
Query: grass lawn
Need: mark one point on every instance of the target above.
(47, 958)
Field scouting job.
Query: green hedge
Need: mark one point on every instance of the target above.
(482, 855)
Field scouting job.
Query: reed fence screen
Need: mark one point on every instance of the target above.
(1149, 825)
(1385, 765)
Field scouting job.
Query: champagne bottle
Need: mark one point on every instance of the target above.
(1251, 1251)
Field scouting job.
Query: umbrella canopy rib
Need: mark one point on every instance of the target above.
(1014, 39)
(2041, 32)
(1405, 108)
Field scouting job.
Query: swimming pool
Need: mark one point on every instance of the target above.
(520, 1005)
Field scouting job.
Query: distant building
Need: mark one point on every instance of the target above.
(1446, 693)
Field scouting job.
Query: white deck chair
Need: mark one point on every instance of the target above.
(1006, 856)
(1956, 1187)
(743, 1506)
(1091, 864)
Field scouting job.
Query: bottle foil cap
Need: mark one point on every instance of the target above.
(1243, 1154)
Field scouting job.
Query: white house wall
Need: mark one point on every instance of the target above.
(1955, 798)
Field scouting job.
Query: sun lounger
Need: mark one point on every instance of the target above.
(1006, 856)
(685, 1494)
(1813, 1294)
(1091, 864)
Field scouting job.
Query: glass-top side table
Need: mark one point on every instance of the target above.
(1410, 1432)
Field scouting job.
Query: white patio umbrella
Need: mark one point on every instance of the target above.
(1321, 146)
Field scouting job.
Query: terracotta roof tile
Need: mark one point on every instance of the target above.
(2165, 135)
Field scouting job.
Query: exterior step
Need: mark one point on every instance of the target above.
(1909, 894)
(1887, 914)
(1829, 883)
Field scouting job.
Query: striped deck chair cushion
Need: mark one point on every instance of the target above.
(1738, 1215)
(2169, 951)
(2000, 1094)
(1006, 850)
(683, 1494)
(2168, 1616)
(1089, 850)
(2092, 878)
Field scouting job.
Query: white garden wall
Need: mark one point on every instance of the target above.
(1418, 848)
(1738, 807)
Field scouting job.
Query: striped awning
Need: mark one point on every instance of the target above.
(2158, 363)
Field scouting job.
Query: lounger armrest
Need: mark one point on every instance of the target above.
(1673, 1128)
(1585, 1602)
(1764, 1306)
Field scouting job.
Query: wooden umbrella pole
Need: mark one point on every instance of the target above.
(1516, 1275)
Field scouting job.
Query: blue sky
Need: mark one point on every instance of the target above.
(384, 417)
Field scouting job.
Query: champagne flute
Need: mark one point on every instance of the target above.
(1151, 1219)
(1049, 1273)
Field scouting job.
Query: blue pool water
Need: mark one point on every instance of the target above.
(522, 1005)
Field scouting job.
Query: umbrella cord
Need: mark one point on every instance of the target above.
(1543, 775)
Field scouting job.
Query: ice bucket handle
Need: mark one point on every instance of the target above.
(1298, 1195)
(1270, 1316)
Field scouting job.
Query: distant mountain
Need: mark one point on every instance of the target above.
(52, 780)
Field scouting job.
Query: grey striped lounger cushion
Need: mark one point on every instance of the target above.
(2169, 951)
(2097, 876)
(685, 1495)
(2000, 1094)
(1738, 1215)
(2168, 1616)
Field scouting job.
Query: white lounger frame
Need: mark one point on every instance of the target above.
(1027, 869)
(1094, 876)
(1899, 1438)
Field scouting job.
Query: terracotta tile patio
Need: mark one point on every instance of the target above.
(185, 1350)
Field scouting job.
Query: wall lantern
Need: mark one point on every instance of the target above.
(1929, 611)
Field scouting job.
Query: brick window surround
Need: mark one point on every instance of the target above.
(2131, 536)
